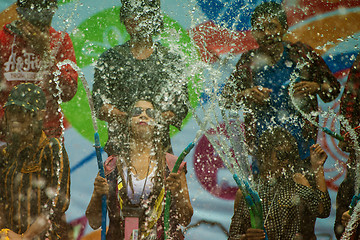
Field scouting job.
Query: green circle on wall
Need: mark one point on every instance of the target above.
(103, 31)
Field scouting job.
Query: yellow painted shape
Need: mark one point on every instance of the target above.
(8, 15)
(325, 33)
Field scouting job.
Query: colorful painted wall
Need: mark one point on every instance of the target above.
(211, 34)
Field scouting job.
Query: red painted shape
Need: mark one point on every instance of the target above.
(342, 74)
(213, 41)
(207, 164)
(82, 221)
(66, 123)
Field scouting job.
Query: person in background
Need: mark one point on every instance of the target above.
(274, 81)
(286, 194)
(136, 180)
(29, 51)
(349, 108)
(138, 69)
(262, 79)
(34, 171)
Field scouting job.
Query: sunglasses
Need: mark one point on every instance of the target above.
(137, 111)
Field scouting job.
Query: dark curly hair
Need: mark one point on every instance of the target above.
(149, 8)
(273, 139)
(44, 4)
(159, 157)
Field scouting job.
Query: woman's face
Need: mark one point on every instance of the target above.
(143, 118)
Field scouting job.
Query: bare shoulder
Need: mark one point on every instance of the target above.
(301, 179)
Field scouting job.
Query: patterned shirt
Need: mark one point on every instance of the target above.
(35, 183)
(283, 203)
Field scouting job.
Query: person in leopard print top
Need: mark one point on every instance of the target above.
(285, 193)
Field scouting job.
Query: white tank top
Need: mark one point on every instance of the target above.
(139, 186)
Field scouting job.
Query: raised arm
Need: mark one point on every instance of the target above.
(68, 79)
(321, 80)
(317, 200)
(318, 157)
(60, 49)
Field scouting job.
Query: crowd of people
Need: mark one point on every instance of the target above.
(140, 90)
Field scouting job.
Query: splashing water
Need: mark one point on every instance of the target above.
(227, 147)
(329, 113)
(353, 136)
(352, 224)
(85, 84)
(228, 142)
(46, 63)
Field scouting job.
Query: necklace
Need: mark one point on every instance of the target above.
(129, 181)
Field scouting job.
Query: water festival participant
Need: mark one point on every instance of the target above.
(34, 171)
(286, 194)
(137, 69)
(262, 78)
(29, 51)
(136, 180)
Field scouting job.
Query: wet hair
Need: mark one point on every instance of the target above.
(43, 4)
(272, 9)
(159, 178)
(274, 138)
(149, 8)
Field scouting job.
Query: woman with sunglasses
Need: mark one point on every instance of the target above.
(136, 180)
(286, 194)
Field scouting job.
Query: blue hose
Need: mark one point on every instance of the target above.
(102, 174)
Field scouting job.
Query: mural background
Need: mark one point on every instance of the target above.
(211, 34)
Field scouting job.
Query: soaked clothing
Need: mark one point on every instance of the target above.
(283, 204)
(141, 187)
(19, 64)
(118, 199)
(121, 79)
(26, 184)
(280, 111)
(308, 221)
(298, 60)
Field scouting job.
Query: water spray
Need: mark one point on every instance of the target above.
(352, 135)
(96, 138)
(230, 150)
